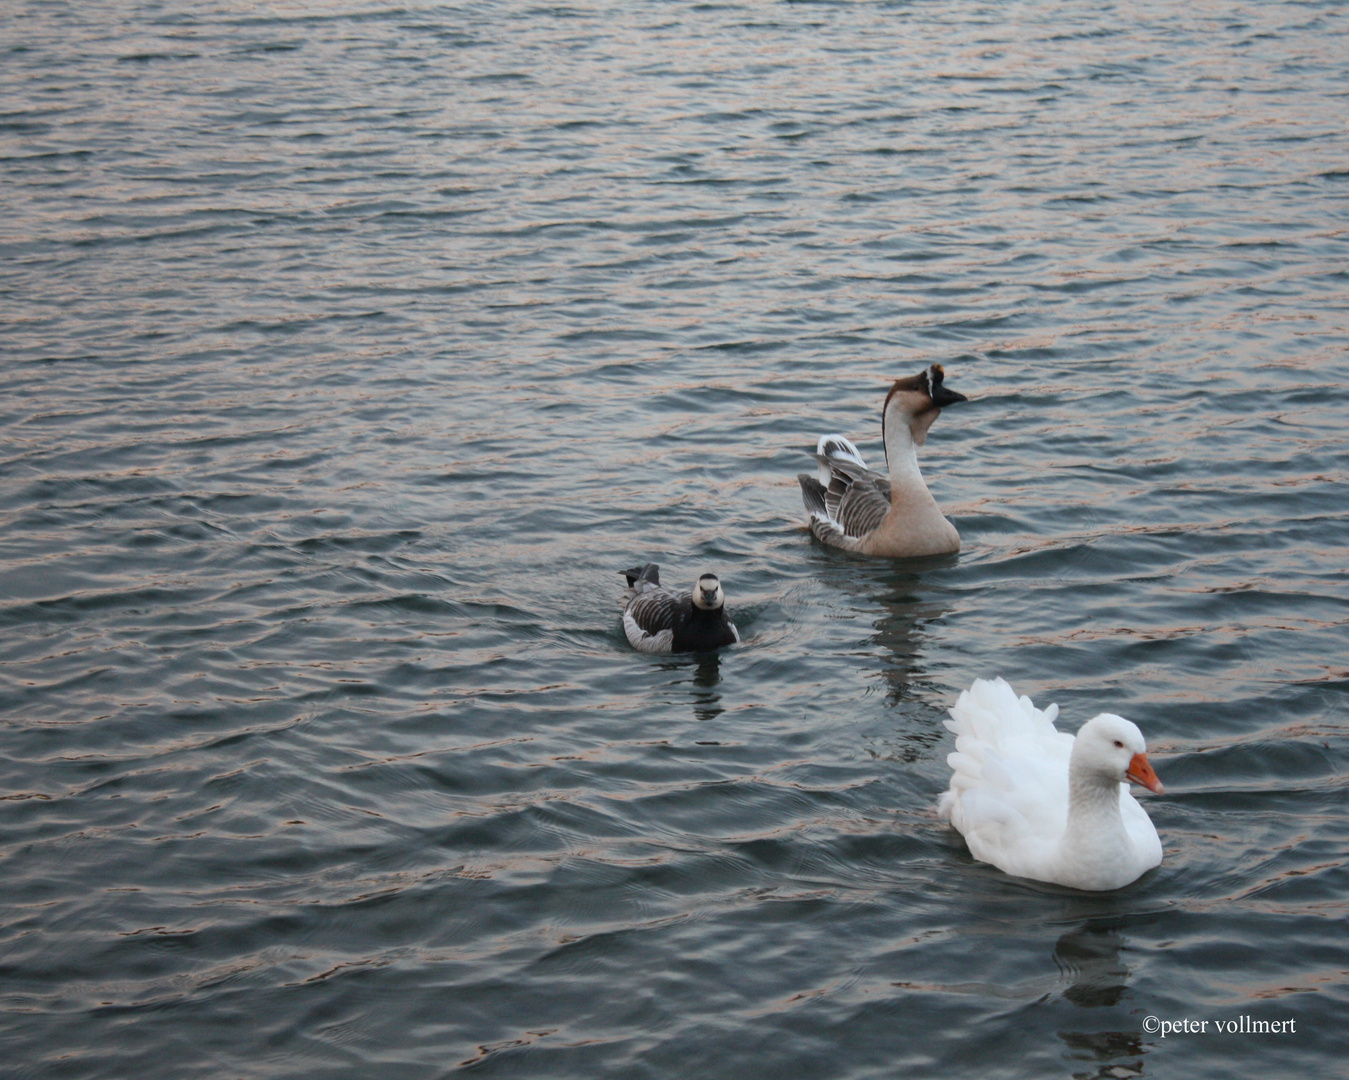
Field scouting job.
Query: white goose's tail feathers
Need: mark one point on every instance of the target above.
(992, 725)
(991, 711)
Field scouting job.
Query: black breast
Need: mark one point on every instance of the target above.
(702, 631)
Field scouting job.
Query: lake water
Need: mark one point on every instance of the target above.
(351, 350)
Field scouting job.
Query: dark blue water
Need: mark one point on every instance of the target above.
(350, 350)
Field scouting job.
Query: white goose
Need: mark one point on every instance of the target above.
(872, 513)
(1038, 803)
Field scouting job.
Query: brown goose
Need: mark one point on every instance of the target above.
(857, 509)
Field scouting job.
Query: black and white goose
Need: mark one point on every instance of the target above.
(872, 513)
(661, 620)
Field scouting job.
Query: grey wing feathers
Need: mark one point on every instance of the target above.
(656, 609)
(812, 494)
(858, 504)
(650, 618)
(851, 505)
(640, 640)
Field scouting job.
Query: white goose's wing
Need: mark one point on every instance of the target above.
(1009, 785)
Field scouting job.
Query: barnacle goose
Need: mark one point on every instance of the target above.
(661, 620)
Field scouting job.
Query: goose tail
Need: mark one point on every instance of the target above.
(812, 494)
(641, 579)
(646, 572)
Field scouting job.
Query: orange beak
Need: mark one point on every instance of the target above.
(1140, 772)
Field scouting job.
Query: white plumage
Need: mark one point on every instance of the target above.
(1038, 803)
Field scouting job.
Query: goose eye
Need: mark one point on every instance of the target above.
(1119, 744)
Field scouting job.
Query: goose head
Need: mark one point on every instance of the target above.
(708, 594)
(1111, 749)
(917, 401)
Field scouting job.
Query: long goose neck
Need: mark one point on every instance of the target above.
(901, 455)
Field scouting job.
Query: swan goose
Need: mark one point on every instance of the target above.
(872, 513)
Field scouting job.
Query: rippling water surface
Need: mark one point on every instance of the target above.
(350, 350)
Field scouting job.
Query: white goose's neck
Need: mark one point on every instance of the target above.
(1095, 840)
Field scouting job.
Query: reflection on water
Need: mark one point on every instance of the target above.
(902, 604)
(705, 674)
(901, 631)
(1117, 1054)
(901, 601)
(1090, 957)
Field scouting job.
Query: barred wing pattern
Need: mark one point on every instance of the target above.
(848, 500)
(856, 498)
(649, 620)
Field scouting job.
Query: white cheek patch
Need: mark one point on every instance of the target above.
(702, 600)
